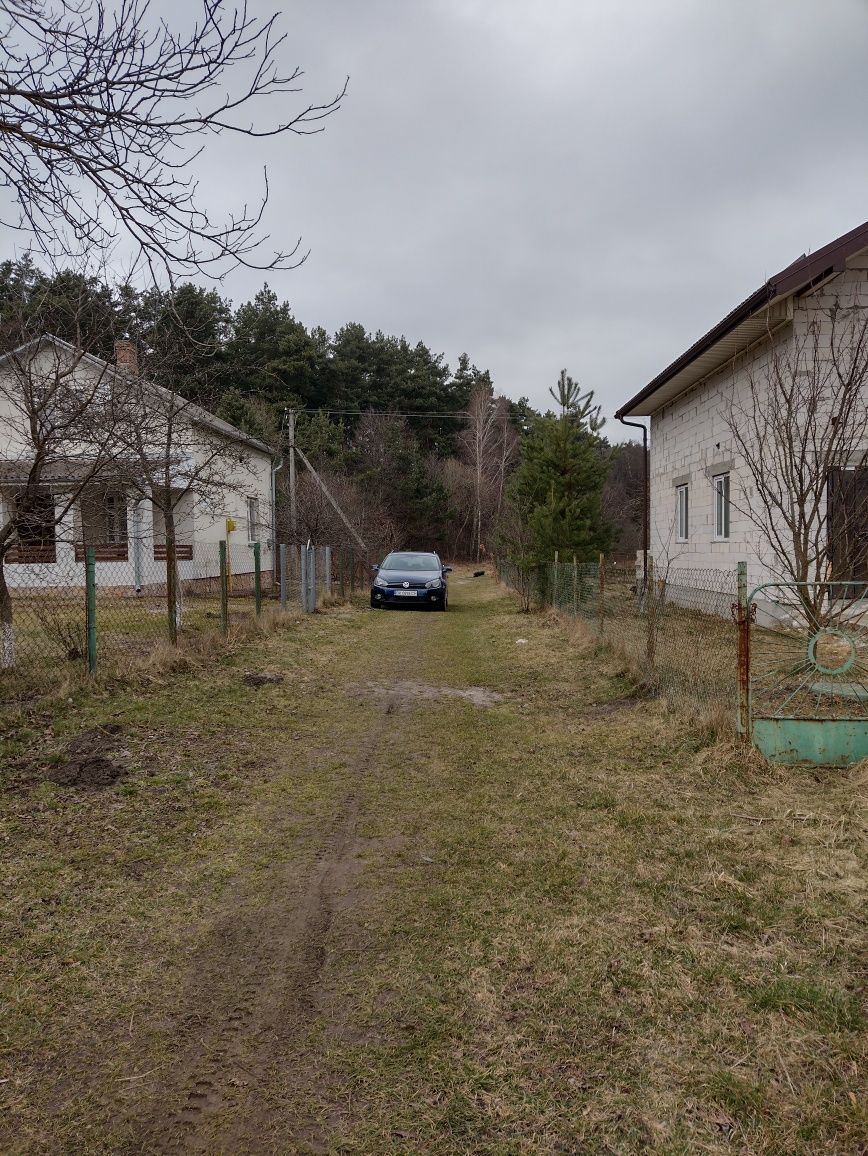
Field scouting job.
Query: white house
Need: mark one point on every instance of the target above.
(113, 513)
(704, 497)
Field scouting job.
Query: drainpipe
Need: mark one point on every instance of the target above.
(646, 495)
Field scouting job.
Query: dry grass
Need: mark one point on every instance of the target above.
(578, 923)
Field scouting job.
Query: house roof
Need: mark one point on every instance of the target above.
(758, 315)
(196, 413)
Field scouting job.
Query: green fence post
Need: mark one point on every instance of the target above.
(90, 606)
(743, 622)
(651, 611)
(224, 591)
(602, 573)
(172, 591)
(257, 576)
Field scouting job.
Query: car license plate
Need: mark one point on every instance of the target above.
(405, 593)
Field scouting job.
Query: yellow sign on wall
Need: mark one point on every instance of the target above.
(230, 525)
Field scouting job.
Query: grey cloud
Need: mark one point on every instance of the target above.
(589, 184)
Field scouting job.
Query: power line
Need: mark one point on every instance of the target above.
(381, 413)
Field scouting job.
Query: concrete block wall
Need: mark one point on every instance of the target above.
(691, 442)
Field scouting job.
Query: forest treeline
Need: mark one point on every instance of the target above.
(418, 454)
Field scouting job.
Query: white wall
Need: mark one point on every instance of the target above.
(691, 442)
(246, 472)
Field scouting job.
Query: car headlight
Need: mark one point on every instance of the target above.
(378, 581)
(434, 584)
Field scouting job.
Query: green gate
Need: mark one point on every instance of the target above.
(803, 670)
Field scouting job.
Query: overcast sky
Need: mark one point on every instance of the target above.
(550, 183)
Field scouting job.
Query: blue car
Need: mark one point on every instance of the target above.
(410, 579)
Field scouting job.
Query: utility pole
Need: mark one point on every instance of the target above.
(293, 509)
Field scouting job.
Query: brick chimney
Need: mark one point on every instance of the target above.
(127, 357)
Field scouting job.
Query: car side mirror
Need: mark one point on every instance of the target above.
(375, 567)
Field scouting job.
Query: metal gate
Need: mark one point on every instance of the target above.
(803, 670)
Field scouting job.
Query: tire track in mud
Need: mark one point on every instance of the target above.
(265, 995)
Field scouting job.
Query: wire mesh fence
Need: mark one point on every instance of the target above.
(677, 632)
(85, 611)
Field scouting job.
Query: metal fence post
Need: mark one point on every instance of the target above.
(90, 606)
(304, 575)
(327, 565)
(224, 592)
(312, 585)
(257, 576)
(172, 591)
(743, 622)
(283, 576)
(602, 570)
(651, 607)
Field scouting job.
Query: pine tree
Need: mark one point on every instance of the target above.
(559, 481)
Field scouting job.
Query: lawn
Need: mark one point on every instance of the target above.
(448, 887)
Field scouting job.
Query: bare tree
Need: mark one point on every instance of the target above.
(623, 496)
(489, 445)
(178, 457)
(801, 428)
(57, 419)
(103, 111)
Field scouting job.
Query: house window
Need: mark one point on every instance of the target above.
(103, 525)
(253, 519)
(721, 507)
(36, 529)
(682, 526)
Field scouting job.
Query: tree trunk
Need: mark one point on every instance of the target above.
(7, 636)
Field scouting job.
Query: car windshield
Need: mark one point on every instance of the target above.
(410, 562)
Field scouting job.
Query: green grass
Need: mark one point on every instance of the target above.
(567, 931)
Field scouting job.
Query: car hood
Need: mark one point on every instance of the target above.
(396, 576)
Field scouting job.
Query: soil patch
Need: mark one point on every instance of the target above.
(87, 759)
(408, 691)
(261, 678)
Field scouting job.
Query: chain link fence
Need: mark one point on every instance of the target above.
(86, 611)
(676, 633)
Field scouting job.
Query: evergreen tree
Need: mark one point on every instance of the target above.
(559, 480)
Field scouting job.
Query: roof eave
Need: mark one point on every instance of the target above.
(806, 273)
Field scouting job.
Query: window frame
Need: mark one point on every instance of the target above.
(682, 507)
(253, 524)
(722, 517)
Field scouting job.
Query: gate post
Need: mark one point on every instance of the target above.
(743, 624)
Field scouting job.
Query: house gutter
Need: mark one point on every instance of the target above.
(646, 495)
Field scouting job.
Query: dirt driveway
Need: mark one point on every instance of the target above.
(426, 889)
